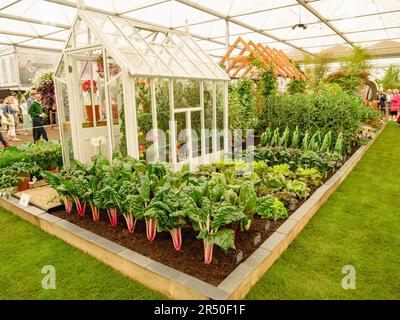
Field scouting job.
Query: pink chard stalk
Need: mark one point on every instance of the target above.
(176, 235)
(68, 204)
(112, 215)
(151, 229)
(80, 207)
(95, 212)
(130, 222)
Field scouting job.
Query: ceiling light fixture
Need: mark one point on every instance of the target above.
(300, 24)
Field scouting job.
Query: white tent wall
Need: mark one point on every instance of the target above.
(19, 66)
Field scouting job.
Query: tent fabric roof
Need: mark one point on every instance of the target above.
(330, 23)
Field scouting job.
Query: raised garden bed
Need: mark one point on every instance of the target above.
(228, 280)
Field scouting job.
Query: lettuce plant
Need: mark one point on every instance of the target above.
(269, 207)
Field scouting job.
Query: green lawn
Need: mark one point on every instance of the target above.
(359, 226)
(25, 249)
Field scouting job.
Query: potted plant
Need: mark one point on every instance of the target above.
(87, 87)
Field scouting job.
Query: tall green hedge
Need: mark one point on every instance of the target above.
(332, 110)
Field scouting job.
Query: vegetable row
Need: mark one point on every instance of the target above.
(218, 201)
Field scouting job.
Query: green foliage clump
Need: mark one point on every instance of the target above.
(332, 110)
(391, 80)
(241, 105)
(296, 86)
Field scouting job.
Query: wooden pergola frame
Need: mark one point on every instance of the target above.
(241, 65)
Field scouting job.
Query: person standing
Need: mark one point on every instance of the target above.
(26, 119)
(2, 116)
(17, 113)
(395, 104)
(382, 100)
(37, 115)
(10, 114)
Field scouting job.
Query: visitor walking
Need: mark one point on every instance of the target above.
(37, 115)
(26, 118)
(394, 104)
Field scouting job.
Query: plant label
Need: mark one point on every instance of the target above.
(257, 238)
(238, 256)
(267, 226)
(24, 200)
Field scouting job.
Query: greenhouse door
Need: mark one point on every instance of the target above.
(89, 107)
(189, 142)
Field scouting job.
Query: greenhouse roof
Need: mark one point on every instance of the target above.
(296, 27)
(147, 50)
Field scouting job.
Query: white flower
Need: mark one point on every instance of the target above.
(95, 142)
(102, 139)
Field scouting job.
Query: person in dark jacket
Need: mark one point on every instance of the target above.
(37, 115)
(381, 100)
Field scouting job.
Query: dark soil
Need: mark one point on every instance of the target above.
(190, 258)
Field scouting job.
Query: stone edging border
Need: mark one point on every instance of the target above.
(173, 283)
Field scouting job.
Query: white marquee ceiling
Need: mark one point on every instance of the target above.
(334, 25)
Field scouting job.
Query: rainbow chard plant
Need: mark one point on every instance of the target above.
(135, 197)
(94, 174)
(61, 185)
(157, 175)
(108, 197)
(168, 209)
(81, 186)
(211, 215)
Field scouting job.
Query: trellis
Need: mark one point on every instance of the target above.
(241, 65)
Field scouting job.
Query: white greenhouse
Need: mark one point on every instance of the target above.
(150, 92)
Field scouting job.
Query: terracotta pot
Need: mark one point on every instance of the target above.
(89, 112)
(24, 184)
(115, 113)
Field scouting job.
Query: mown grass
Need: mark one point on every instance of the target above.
(25, 250)
(359, 226)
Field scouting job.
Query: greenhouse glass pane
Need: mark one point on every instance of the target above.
(144, 117)
(208, 114)
(196, 133)
(186, 94)
(162, 103)
(120, 42)
(182, 137)
(220, 114)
